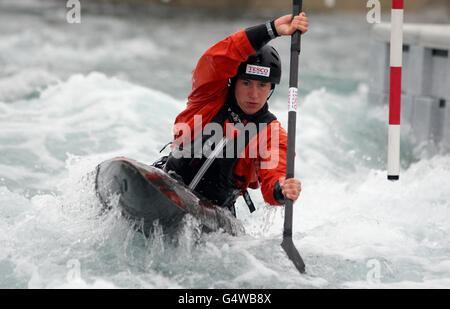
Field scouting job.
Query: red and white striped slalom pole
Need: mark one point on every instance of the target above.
(395, 96)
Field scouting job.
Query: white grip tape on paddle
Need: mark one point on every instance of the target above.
(293, 94)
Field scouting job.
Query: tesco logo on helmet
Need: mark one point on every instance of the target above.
(257, 70)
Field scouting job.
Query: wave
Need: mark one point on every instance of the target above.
(92, 114)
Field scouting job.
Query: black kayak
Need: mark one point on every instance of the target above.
(146, 193)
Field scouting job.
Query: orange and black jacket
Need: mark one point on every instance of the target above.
(210, 98)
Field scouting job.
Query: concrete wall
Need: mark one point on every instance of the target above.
(425, 79)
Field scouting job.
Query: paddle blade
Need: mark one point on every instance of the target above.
(293, 254)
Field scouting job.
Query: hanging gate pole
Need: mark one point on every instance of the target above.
(395, 95)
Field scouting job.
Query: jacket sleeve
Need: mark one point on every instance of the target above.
(273, 153)
(217, 65)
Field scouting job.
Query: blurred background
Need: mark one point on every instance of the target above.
(312, 6)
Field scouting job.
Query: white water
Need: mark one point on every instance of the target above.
(74, 95)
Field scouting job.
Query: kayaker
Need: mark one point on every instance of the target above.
(231, 85)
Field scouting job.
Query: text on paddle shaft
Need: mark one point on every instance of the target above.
(237, 298)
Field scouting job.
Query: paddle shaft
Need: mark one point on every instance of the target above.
(292, 116)
(287, 243)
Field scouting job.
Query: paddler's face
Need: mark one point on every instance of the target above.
(251, 95)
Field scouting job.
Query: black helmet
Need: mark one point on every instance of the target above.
(264, 65)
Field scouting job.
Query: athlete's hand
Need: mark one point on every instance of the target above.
(290, 188)
(285, 25)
